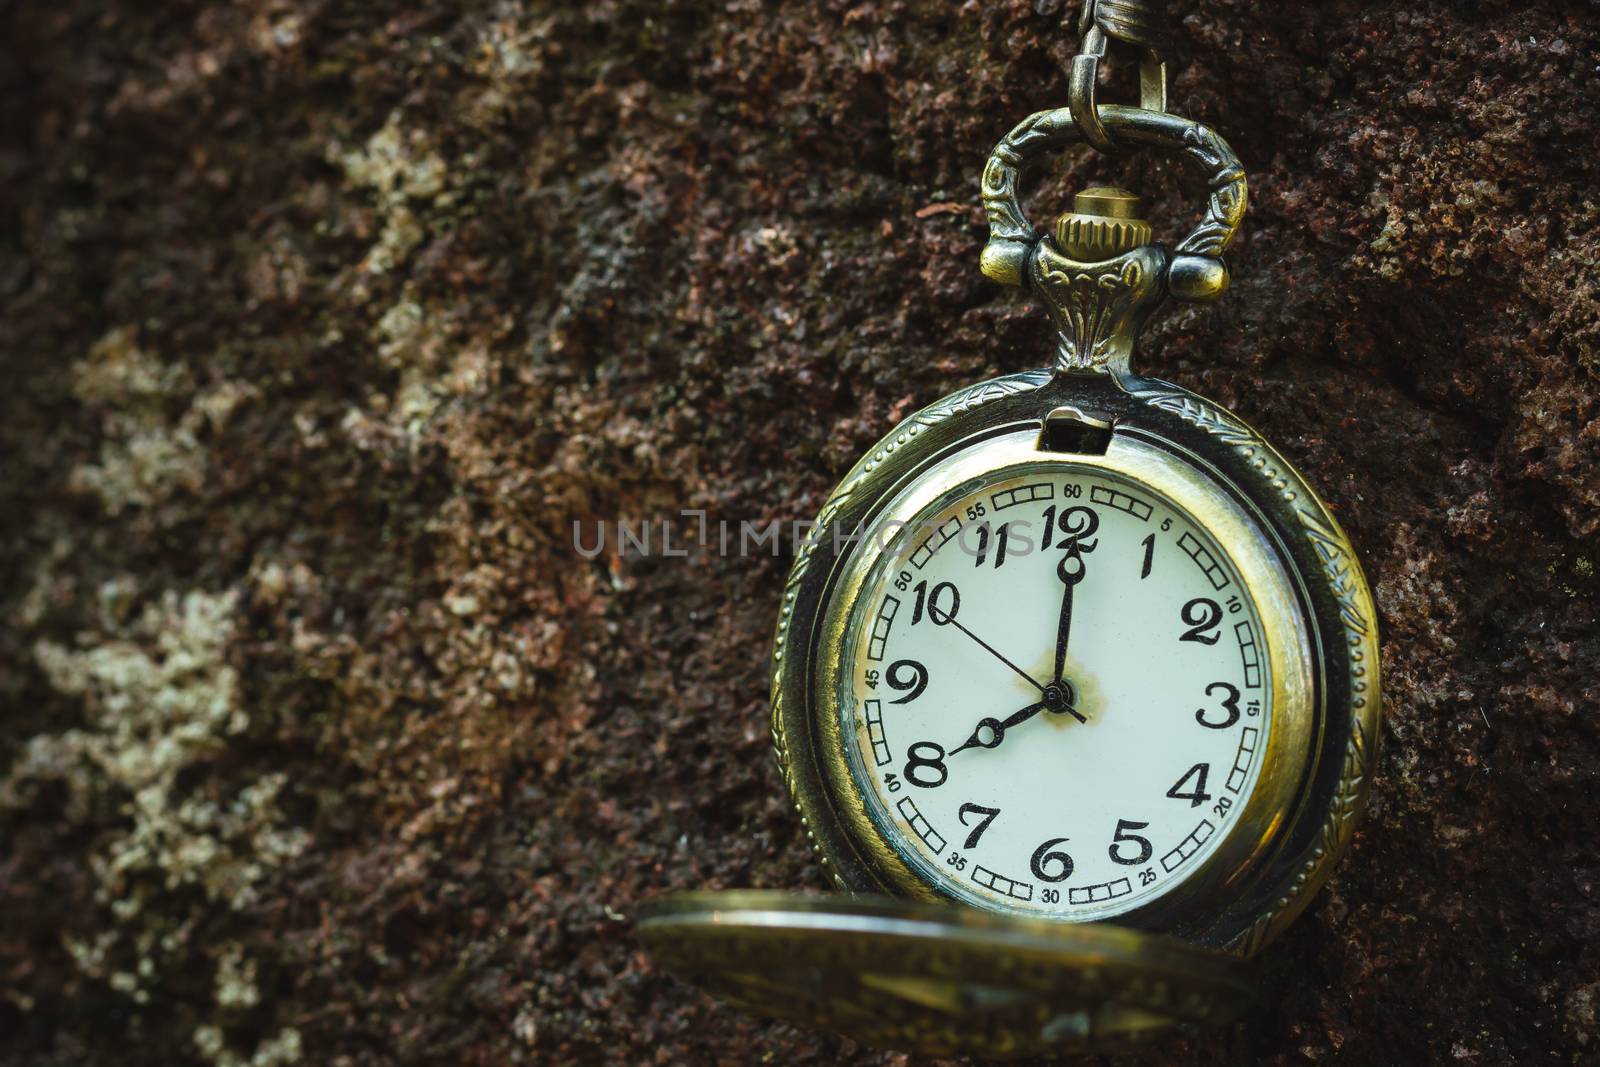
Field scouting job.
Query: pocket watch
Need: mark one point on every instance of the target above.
(1075, 687)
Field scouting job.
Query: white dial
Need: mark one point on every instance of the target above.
(1055, 692)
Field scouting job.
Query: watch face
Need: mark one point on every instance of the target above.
(1054, 690)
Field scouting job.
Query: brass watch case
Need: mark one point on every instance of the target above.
(1322, 646)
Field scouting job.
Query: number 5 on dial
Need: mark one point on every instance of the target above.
(1142, 847)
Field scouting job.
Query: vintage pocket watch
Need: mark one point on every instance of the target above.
(1076, 686)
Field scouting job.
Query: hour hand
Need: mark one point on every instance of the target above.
(990, 732)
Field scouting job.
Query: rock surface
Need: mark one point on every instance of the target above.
(321, 742)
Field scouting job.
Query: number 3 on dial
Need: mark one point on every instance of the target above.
(1230, 706)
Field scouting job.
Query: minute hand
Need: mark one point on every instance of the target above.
(944, 619)
(1070, 570)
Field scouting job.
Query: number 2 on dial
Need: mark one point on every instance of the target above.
(1202, 616)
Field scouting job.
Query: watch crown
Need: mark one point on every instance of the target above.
(1104, 223)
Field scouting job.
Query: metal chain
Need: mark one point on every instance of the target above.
(1144, 24)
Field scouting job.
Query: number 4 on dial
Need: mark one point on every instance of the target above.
(1199, 795)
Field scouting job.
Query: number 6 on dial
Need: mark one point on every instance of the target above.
(1061, 863)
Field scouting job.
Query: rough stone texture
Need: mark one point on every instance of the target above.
(322, 323)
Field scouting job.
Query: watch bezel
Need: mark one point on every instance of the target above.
(1248, 833)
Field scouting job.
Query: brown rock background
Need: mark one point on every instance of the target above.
(322, 322)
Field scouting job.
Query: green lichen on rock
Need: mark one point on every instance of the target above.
(161, 707)
(281, 1049)
(146, 455)
(399, 166)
